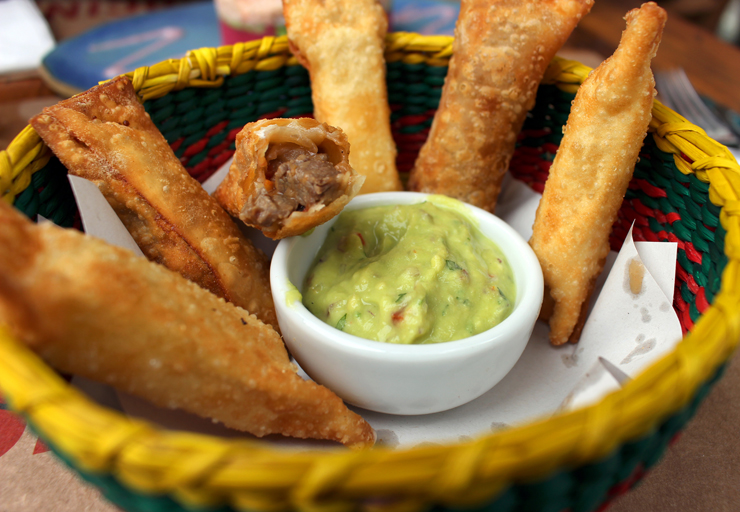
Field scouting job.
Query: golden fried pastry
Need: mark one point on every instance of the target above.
(98, 311)
(105, 136)
(341, 42)
(288, 176)
(592, 169)
(501, 51)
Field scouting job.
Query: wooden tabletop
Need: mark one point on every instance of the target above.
(712, 65)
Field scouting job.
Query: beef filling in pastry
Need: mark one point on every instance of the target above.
(288, 176)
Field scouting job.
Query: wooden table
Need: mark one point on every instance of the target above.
(702, 471)
(712, 65)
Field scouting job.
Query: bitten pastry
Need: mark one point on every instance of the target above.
(341, 43)
(592, 169)
(288, 176)
(105, 136)
(501, 51)
(98, 311)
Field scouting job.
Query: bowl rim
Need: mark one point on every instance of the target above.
(529, 295)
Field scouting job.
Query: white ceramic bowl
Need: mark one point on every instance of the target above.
(405, 379)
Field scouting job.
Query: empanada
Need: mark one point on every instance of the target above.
(288, 176)
(341, 44)
(592, 169)
(501, 51)
(98, 311)
(106, 136)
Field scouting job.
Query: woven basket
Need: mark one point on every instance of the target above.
(685, 189)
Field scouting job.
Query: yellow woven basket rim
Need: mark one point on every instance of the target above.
(250, 474)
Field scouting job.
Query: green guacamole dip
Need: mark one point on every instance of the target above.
(419, 273)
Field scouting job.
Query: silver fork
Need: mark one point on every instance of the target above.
(676, 92)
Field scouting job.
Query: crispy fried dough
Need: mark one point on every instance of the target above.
(341, 43)
(501, 51)
(592, 169)
(281, 203)
(105, 136)
(98, 311)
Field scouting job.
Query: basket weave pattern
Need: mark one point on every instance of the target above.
(685, 190)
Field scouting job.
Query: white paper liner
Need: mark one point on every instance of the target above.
(629, 330)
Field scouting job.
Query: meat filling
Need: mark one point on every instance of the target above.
(299, 180)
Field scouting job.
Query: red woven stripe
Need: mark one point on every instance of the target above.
(686, 321)
(232, 134)
(176, 145)
(405, 158)
(221, 159)
(535, 134)
(411, 120)
(642, 209)
(273, 115)
(681, 273)
(406, 138)
(549, 147)
(701, 301)
(527, 150)
(650, 189)
(672, 217)
(196, 148)
(198, 171)
(216, 150)
(216, 129)
(692, 253)
(691, 283)
(531, 158)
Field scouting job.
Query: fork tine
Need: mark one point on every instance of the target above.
(677, 93)
(697, 105)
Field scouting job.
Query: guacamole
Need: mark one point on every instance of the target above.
(420, 273)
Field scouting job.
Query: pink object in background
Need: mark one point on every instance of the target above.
(245, 20)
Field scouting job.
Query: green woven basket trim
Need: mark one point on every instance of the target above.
(237, 92)
(238, 102)
(160, 114)
(237, 116)
(194, 128)
(300, 91)
(216, 117)
(268, 107)
(218, 138)
(434, 81)
(710, 214)
(193, 115)
(198, 158)
(49, 195)
(192, 139)
(296, 81)
(171, 122)
(267, 85)
(242, 80)
(183, 107)
(211, 97)
(186, 94)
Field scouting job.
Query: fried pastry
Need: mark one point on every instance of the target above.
(501, 51)
(592, 169)
(98, 311)
(288, 176)
(105, 136)
(341, 44)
